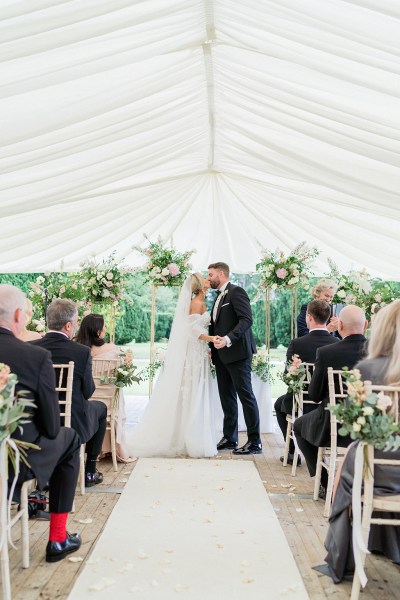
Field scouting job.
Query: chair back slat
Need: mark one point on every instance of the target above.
(104, 367)
(64, 382)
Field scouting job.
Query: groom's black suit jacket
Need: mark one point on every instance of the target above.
(84, 418)
(234, 319)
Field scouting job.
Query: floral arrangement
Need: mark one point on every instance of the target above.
(261, 366)
(364, 417)
(165, 266)
(382, 293)
(353, 287)
(13, 413)
(294, 374)
(47, 288)
(278, 270)
(124, 375)
(103, 282)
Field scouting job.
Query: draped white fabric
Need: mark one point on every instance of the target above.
(219, 124)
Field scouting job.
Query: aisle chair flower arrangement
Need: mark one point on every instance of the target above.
(164, 266)
(13, 416)
(365, 417)
(278, 270)
(261, 366)
(122, 376)
(294, 374)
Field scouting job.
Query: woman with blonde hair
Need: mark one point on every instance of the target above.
(27, 335)
(179, 420)
(324, 289)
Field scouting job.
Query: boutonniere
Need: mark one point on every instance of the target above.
(224, 293)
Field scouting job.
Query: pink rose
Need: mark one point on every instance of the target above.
(4, 375)
(173, 269)
(109, 275)
(281, 273)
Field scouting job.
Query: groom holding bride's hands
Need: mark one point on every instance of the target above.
(232, 352)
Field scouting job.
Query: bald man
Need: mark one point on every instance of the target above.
(313, 429)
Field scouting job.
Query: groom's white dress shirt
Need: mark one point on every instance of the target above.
(215, 309)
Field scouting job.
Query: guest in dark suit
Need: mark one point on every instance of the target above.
(56, 464)
(313, 429)
(318, 314)
(232, 353)
(88, 417)
(324, 289)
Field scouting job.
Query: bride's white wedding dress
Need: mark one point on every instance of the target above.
(179, 419)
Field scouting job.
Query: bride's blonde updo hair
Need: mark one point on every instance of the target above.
(197, 283)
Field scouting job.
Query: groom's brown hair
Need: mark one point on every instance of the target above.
(220, 266)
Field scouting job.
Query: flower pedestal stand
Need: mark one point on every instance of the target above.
(293, 314)
(154, 287)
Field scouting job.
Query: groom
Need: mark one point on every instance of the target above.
(232, 353)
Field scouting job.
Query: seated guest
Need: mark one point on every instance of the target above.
(89, 419)
(91, 333)
(317, 316)
(382, 366)
(56, 464)
(324, 289)
(313, 429)
(27, 335)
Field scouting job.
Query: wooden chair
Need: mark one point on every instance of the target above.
(371, 502)
(64, 381)
(105, 367)
(329, 457)
(297, 411)
(21, 515)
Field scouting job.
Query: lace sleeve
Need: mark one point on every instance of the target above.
(196, 326)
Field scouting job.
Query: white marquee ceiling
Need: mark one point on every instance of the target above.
(219, 124)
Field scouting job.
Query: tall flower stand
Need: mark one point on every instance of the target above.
(293, 314)
(154, 287)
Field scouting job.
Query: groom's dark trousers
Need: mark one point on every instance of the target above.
(233, 364)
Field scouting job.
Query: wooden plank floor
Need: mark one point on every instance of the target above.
(300, 517)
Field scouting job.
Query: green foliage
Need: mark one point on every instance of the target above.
(21, 280)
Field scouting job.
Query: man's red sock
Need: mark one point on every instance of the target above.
(58, 527)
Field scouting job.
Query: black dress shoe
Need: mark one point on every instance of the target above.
(56, 551)
(322, 492)
(225, 444)
(249, 448)
(290, 459)
(92, 479)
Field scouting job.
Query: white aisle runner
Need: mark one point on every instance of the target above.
(195, 529)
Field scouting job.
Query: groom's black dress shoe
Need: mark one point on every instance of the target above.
(225, 444)
(249, 448)
(56, 551)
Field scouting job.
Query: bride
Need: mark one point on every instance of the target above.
(179, 419)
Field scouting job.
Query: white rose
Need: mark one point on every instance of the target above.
(368, 411)
(165, 271)
(341, 293)
(361, 420)
(356, 427)
(106, 293)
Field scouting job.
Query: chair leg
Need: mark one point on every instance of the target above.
(82, 469)
(5, 572)
(287, 443)
(113, 447)
(317, 481)
(295, 459)
(25, 525)
(331, 479)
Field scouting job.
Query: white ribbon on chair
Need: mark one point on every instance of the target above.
(359, 546)
(5, 507)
